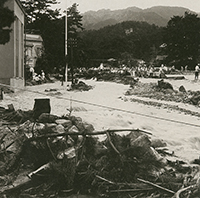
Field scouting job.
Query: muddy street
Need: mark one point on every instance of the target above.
(178, 129)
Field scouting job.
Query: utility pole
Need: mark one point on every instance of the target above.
(72, 45)
(66, 68)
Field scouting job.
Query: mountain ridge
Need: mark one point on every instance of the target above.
(158, 15)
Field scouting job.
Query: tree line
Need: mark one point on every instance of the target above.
(128, 41)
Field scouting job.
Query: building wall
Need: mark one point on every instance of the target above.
(19, 42)
(34, 45)
(7, 54)
(12, 53)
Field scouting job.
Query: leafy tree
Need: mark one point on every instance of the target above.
(182, 36)
(43, 20)
(74, 21)
(74, 25)
(51, 26)
(35, 9)
(127, 40)
(6, 19)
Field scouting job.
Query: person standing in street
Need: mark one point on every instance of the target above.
(196, 77)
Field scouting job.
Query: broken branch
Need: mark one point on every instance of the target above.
(99, 177)
(87, 133)
(111, 144)
(129, 190)
(155, 185)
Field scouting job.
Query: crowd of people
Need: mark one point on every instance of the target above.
(141, 70)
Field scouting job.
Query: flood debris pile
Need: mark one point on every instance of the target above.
(52, 156)
(79, 86)
(111, 76)
(118, 78)
(164, 91)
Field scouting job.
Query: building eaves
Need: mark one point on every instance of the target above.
(33, 37)
(21, 6)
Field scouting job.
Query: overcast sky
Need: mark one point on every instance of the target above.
(86, 5)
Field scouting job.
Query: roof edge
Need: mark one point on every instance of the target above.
(21, 6)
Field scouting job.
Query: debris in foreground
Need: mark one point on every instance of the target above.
(51, 156)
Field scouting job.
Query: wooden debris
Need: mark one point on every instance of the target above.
(112, 145)
(95, 133)
(110, 182)
(155, 185)
(44, 167)
(75, 159)
(178, 193)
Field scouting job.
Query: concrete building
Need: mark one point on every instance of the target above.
(12, 53)
(33, 49)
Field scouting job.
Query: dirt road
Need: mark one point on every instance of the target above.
(179, 130)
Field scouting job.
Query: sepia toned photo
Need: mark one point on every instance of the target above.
(99, 99)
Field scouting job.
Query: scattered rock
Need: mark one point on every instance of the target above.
(195, 99)
(73, 129)
(59, 129)
(50, 127)
(141, 141)
(64, 122)
(47, 118)
(164, 85)
(50, 90)
(88, 127)
(54, 128)
(156, 143)
(182, 89)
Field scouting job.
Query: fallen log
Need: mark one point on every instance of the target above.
(87, 133)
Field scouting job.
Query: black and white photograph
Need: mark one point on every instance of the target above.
(99, 99)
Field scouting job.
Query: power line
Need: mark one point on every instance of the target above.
(106, 107)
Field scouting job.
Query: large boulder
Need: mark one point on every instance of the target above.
(29, 128)
(156, 143)
(64, 122)
(182, 89)
(47, 118)
(164, 85)
(54, 128)
(195, 99)
(141, 141)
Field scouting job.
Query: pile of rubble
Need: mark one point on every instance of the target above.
(44, 155)
(165, 91)
(79, 86)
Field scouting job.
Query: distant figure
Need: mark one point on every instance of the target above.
(186, 68)
(101, 67)
(196, 77)
(151, 71)
(182, 69)
(32, 71)
(43, 75)
(173, 68)
(161, 71)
